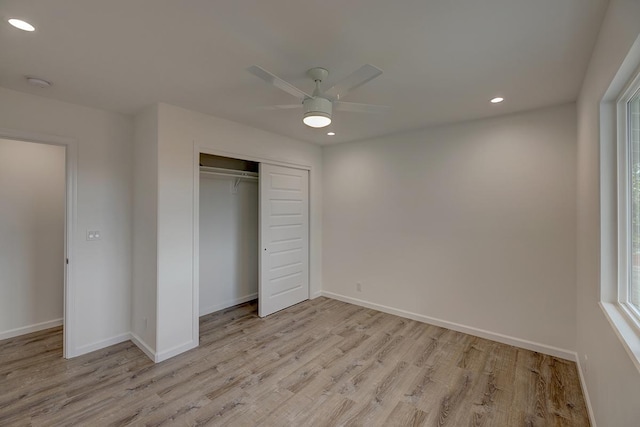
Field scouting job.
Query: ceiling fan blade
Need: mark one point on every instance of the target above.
(360, 108)
(277, 82)
(280, 107)
(356, 79)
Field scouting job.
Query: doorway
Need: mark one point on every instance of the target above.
(37, 189)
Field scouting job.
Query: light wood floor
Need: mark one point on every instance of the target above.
(322, 362)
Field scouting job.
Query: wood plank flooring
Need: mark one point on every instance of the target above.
(319, 363)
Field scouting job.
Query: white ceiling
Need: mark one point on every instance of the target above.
(442, 59)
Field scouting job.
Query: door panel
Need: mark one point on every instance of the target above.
(284, 238)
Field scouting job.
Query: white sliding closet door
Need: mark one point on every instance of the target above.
(284, 238)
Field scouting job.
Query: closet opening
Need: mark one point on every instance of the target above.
(251, 234)
(228, 232)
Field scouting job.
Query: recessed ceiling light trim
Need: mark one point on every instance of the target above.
(22, 25)
(497, 100)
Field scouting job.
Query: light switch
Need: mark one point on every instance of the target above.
(93, 234)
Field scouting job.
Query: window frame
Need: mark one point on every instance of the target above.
(624, 205)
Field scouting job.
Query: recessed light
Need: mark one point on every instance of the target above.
(36, 81)
(23, 25)
(497, 100)
(331, 133)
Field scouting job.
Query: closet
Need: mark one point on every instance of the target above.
(228, 232)
(253, 234)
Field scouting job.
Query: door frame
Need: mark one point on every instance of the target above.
(71, 166)
(203, 149)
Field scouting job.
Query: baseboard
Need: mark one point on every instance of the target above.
(30, 328)
(174, 351)
(227, 304)
(505, 339)
(316, 295)
(585, 393)
(143, 346)
(98, 345)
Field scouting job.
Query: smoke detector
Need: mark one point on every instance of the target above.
(36, 81)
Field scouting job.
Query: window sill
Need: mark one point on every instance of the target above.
(624, 329)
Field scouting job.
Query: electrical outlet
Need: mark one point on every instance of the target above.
(359, 287)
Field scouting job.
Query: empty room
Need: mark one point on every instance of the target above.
(340, 213)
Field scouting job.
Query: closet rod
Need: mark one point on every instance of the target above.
(254, 178)
(228, 172)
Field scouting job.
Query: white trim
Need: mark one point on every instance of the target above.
(271, 160)
(30, 328)
(143, 346)
(585, 393)
(494, 336)
(623, 193)
(35, 137)
(625, 331)
(71, 218)
(174, 351)
(316, 295)
(99, 345)
(227, 304)
(195, 272)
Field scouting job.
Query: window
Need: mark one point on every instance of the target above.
(619, 157)
(629, 201)
(633, 141)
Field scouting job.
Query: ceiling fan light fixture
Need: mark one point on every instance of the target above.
(317, 112)
(316, 120)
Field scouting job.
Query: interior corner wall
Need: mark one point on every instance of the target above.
(102, 268)
(32, 223)
(145, 230)
(612, 380)
(469, 225)
(179, 130)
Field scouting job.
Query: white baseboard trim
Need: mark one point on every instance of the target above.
(585, 392)
(505, 339)
(98, 345)
(30, 328)
(316, 295)
(143, 346)
(227, 304)
(174, 351)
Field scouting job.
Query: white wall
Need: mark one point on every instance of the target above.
(228, 242)
(145, 230)
(32, 206)
(102, 268)
(178, 131)
(612, 381)
(472, 224)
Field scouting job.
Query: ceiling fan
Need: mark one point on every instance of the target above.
(318, 107)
